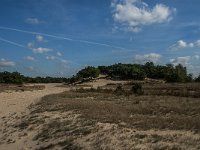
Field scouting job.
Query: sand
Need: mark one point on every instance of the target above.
(14, 105)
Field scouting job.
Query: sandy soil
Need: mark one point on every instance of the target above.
(19, 128)
(103, 82)
(14, 105)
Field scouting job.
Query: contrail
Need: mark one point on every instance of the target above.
(63, 38)
(13, 43)
(20, 45)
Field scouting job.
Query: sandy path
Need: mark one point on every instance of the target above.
(16, 103)
(103, 82)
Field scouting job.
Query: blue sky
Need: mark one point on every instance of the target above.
(59, 37)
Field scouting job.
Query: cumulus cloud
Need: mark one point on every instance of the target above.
(152, 57)
(181, 44)
(59, 54)
(29, 58)
(6, 63)
(133, 14)
(33, 21)
(41, 50)
(50, 57)
(185, 61)
(181, 60)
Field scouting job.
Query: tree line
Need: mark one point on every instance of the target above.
(17, 78)
(119, 71)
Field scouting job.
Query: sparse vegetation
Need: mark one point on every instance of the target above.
(159, 122)
(117, 116)
(161, 112)
(137, 88)
(14, 87)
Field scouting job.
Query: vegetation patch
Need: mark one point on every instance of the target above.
(142, 112)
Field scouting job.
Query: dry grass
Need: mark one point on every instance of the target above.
(142, 112)
(164, 89)
(14, 87)
(103, 119)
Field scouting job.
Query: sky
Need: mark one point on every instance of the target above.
(60, 37)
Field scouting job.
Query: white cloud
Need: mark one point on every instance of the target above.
(182, 45)
(30, 58)
(59, 54)
(50, 57)
(133, 14)
(41, 50)
(152, 57)
(40, 38)
(30, 45)
(185, 61)
(6, 63)
(197, 43)
(33, 21)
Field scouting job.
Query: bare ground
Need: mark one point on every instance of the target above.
(13, 105)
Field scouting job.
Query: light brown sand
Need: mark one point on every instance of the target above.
(103, 82)
(14, 105)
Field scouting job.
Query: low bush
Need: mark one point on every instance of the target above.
(137, 88)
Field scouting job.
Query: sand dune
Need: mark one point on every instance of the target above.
(13, 105)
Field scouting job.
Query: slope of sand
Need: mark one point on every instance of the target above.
(103, 82)
(14, 105)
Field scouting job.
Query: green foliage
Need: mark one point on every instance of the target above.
(149, 70)
(17, 78)
(176, 74)
(73, 79)
(88, 72)
(119, 71)
(123, 71)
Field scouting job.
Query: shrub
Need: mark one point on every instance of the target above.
(119, 90)
(137, 88)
